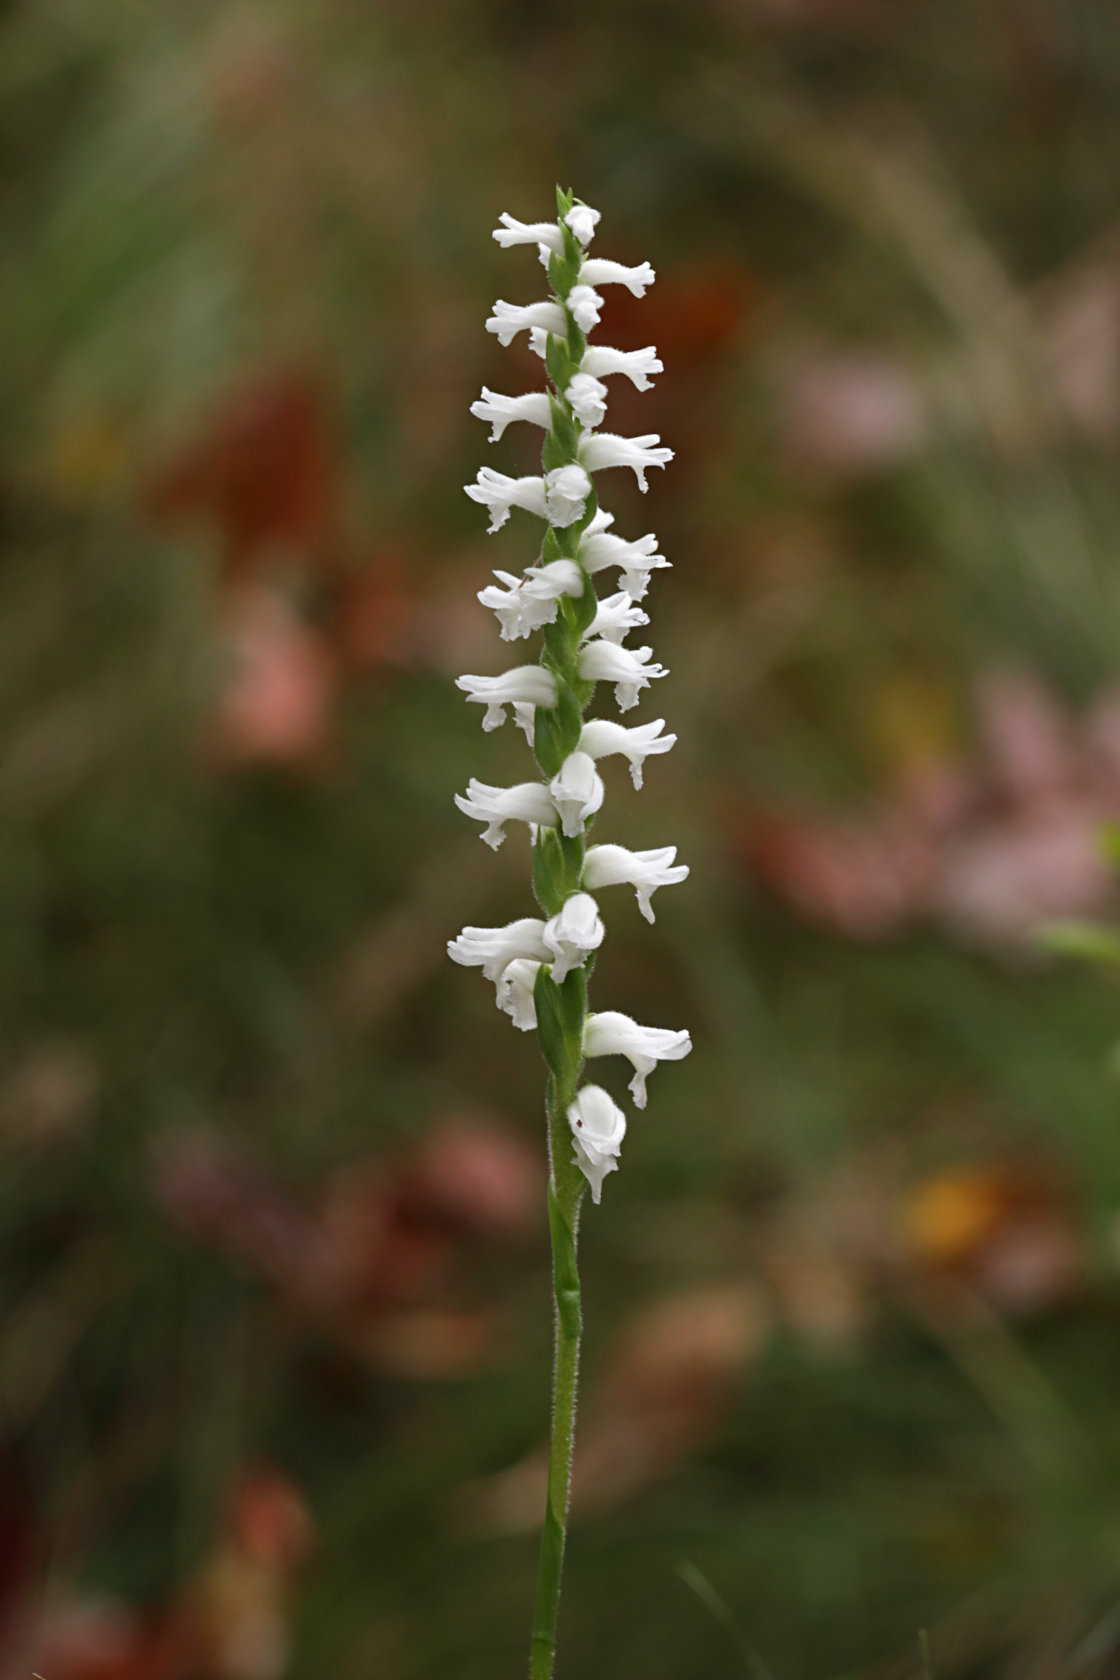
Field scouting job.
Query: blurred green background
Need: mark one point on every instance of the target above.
(273, 1376)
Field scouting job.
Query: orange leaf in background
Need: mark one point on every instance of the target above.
(1005, 1230)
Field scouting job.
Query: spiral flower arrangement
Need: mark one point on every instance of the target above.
(540, 965)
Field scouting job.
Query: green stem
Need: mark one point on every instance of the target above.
(561, 1010)
(565, 1278)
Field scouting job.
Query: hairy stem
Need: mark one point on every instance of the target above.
(561, 1009)
(565, 1276)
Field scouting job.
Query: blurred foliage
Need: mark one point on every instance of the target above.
(274, 1372)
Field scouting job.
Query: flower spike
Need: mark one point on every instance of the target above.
(540, 966)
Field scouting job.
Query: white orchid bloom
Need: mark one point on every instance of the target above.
(582, 221)
(584, 645)
(566, 493)
(527, 802)
(493, 949)
(600, 271)
(609, 866)
(560, 496)
(628, 668)
(514, 995)
(500, 412)
(635, 560)
(572, 934)
(498, 492)
(577, 792)
(588, 397)
(600, 736)
(614, 1034)
(615, 617)
(509, 319)
(639, 366)
(600, 450)
(513, 232)
(533, 685)
(585, 305)
(525, 719)
(530, 602)
(598, 1127)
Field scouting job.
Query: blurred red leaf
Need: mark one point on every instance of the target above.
(375, 1258)
(261, 469)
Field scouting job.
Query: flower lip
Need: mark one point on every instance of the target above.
(577, 791)
(613, 1034)
(566, 492)
(598, 1127)
(600, 450)
(572, 934)
(609, 865)
(582, 221)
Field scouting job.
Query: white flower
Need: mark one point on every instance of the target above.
(615, 617)
(498, 492)
(599, 548)
(527, 603)
(628, 668)
(600, 737)
(559, 577)
(533, 684)
(600, 520)
(606, 449)
(614, 1034)
(493, 949)
(608, 866)
(582, 219)
(526, 802)
(499, 411)
(577, 791)
(600, 271)
(538, 341)
(585, 304)
(515, 993)
(573, 933)
(566, 493)
(588, 397)
(513, 232)
(598, 1128)
(637, 365)
(525, 717)
(509, 319)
